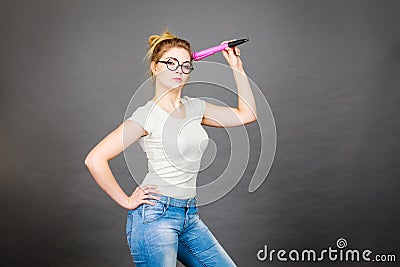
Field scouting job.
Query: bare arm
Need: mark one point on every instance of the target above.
(111, 146)
(219, 116)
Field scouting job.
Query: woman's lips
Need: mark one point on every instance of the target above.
(177, 79)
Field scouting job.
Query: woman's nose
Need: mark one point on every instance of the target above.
(178, 70)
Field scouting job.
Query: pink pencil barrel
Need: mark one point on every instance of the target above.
(208, 52)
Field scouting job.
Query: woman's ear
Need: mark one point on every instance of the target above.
(153, 68)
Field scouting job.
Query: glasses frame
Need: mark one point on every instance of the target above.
(178, 65)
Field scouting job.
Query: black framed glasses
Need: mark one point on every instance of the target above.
(173, 64)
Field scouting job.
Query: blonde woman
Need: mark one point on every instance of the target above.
(162, 222)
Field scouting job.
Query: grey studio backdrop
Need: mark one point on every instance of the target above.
(329, 70)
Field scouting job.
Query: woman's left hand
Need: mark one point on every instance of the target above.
(231, 54)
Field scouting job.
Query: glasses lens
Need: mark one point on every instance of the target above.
(187, 67)
(172, 64)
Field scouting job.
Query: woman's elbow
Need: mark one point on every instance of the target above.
(254, 117)
(88, 160)
(250, 118)
(91, 160)
(247, 121)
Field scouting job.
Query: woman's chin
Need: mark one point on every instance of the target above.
(177, 84)
(174, 84)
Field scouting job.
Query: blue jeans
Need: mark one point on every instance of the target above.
(159, 235)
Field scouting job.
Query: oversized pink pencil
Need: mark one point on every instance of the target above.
(212, 50)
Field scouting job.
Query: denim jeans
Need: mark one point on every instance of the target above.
(159, 235)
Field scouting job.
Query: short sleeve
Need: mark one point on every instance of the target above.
(199, 104)
(202, 105)
(140, 115)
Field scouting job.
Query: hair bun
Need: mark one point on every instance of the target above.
(153, 39)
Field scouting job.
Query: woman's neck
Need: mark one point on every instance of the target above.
(169, 101)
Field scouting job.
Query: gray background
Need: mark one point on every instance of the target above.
(329, 69)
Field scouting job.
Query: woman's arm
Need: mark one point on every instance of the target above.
(108, 148)
(219, 116)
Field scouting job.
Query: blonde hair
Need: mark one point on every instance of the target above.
(159, 44)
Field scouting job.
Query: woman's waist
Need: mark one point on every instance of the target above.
(177, 202)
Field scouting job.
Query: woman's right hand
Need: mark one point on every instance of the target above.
(140, 196)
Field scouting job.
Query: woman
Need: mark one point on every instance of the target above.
(162, 223)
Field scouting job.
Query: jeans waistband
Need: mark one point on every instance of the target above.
(177, 202)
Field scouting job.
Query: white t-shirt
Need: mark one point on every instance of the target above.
(174, 147)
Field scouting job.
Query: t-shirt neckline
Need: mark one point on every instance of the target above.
(169, 115)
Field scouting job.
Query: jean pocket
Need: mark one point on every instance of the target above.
(153, 213)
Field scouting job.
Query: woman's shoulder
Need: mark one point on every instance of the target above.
(196, 102)
(143, 108)
(143, 111)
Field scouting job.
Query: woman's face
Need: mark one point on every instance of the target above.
(167, 78)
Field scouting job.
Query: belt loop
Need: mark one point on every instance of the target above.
(187, 208)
